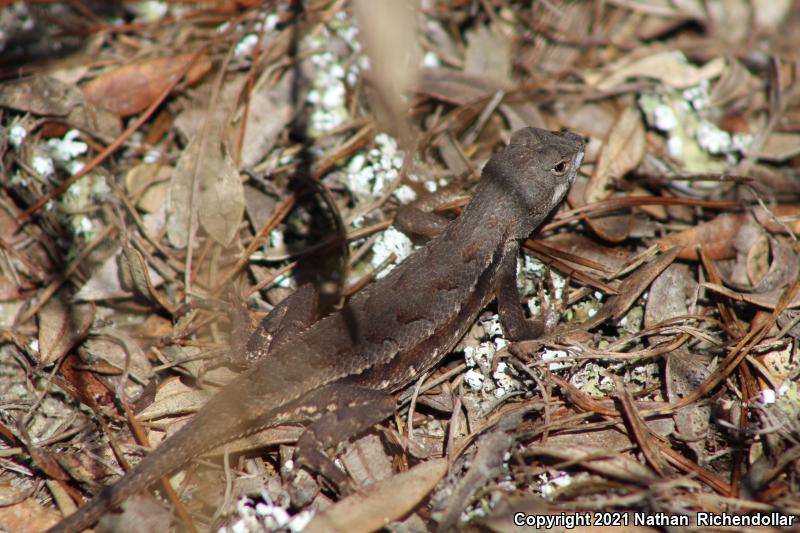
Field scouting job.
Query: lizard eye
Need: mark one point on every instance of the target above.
(560, 168)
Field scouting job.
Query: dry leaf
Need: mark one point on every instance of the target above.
(488, 54)
(715, 236)
(788, 218)
(174, 398)
(220, 198)
(622, 152)
(380, 503)
(591, 119)
(666, 66)
(139, 513)
(119, 350)
(221, 194)
(454, 86)
(8, 289)
(149, 184)
(129, 89)
(105, 282)
(769, 15)
(199, 111)
(135, 275)
(668, 295)
(271, 109)
(780, 146)
(366, 460)
(100, 123)
(730, 21)
(28, 516)
(549, 55)
(768, 299)
(40, 95)
(62, 326)
(632, 288)
(736, 82)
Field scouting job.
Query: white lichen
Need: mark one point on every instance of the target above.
(391, 241)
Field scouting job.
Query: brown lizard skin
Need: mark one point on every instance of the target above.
(392, 331)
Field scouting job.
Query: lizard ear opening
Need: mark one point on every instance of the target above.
(560, 168)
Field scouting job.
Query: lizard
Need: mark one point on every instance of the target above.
(386, 335)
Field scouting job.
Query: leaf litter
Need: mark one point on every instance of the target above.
(670, 385)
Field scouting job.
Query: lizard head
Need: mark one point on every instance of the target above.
(530, 176)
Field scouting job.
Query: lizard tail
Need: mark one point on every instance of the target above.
(172, 454)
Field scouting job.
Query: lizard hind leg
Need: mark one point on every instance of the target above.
(339, 411)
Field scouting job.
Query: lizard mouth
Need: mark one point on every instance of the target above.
(576, 165)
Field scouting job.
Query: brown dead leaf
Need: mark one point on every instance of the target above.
(118, 349)
(40, 95)
(148, 183)
(62, 326)
(28, 516)
(366, 460)
(172, 399)
(86, 387)
(780, 146)
(590, 119)
(199, 111)
(554, 55)
(381, 502)
(622, 152)
(752, 259)
(271, 109)
(106, 282)
(488, 54)
(632, 287)
(684, 372)
(11, 494)
(611, 258)
(259, 205)
(221, 195)
(454, 86)
(139, 513)
(220, 198)
(38, 263)
(129, 89)
(668, 295)
(605, 462)
(667, 66)
(100, 123)
(715, 236)
(783, 269)
(736, 82)
(8, 289)
(767, 300)
(135, 276)
(730, 21)
(788, 216)
(763, 263)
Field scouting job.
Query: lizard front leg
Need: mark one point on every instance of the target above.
(516, 326)
(418, 219)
